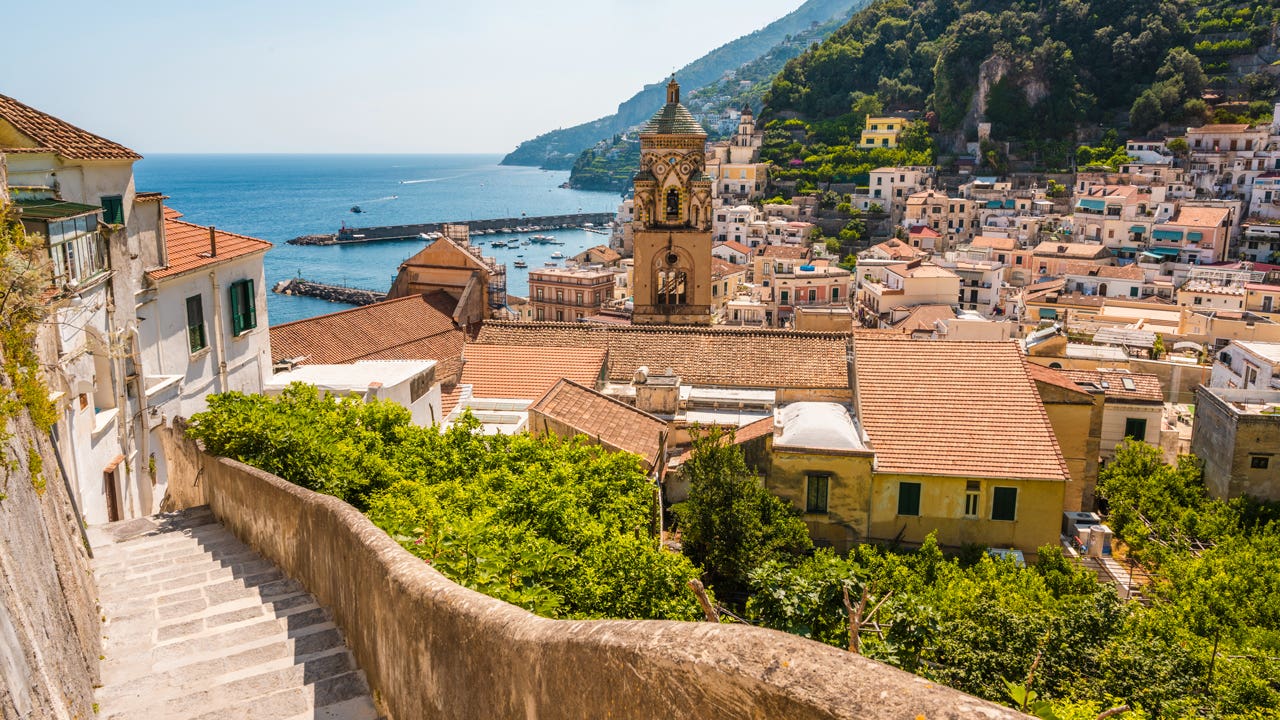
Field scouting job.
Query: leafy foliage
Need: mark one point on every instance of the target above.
(730, 524)
(23, 279)
(562, 528)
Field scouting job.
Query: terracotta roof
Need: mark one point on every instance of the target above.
(735, 246)
(525, 372)
(924, 231)
(721, 268)
(726, 357)
(1114, 272)
(187, 247)
(610, 422)
(599, 253)
(1200, 216)
(1219, 128)
(1057, 378)
(741, 436)
(897, 250)
(925, 317)
(418, 327)
(922, 271)
(1065, 249)
(995, 243)
(1146, 386)
(50, 133)
(966, 409)
(786, 252)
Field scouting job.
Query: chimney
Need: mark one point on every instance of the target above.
(213, 242)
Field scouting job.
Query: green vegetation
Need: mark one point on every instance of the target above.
(1048, 67)
(23, 279)
(827, 151)
(607, 166)
(564, 529)
(1109, 155)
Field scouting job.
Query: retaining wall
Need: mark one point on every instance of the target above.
(433, 649)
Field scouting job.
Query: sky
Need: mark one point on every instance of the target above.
(379, 76)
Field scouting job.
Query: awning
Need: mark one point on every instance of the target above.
(1167, 234)
(1048, 313)
(1137, 229)
(1195, 236)
(1166, 252)
(53, 209)
(1098, 205)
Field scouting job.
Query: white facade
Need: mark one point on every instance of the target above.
(411, 383)
(1248, 366)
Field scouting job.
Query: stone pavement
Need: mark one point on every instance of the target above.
(198, 625)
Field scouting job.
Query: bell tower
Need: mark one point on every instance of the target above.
(672, 222)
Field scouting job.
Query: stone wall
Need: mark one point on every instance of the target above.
(432, 649)
(49, 629)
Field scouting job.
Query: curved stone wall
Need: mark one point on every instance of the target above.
(433, 649)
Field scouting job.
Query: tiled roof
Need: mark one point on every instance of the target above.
(785, 252)
(736, 247)
(1218, 128)
(898, 250)
(1205, 217)
(721, 268)
(925, 317)
(599, 253)
(1113, 272)
(418, 327)
(922, 271)
(923, 231)
(726, 357)
(673, 119)
(995, 243)
(527, 372)
(1146, 386)
(741, 436)
(1049, 376)
(966, 409)
(1079, 250)
(63, 138)
(610, 422)
(187, 246)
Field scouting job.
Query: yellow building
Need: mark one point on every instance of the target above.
(882, 132)
(672, 225)
(947, 437)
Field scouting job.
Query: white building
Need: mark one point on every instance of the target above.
(1248, 366)
(411, 383)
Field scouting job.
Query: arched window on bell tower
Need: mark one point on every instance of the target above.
(673, 205)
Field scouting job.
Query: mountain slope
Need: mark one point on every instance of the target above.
(559, 148)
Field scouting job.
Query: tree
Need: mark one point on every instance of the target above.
(730, 524)
(1146, 113)
(1181, 66)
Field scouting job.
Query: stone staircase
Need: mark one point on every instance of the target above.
(198, 625)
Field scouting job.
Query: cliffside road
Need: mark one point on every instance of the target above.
(200, 626)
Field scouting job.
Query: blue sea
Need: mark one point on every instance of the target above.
(279, 197)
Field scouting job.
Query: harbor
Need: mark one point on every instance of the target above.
(590, 222)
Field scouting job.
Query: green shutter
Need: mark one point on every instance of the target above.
(816, 502)
(908, 498)
(195, 324)
(1004, 503)
(244, 316)
(251, 311)
(1135, 428)
(237, 316)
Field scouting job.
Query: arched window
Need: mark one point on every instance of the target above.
(671, 286)
(673, 205)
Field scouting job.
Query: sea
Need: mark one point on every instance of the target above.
(280, 197)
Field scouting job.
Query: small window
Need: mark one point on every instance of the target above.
(972, 498)
(1135, 428)
(1259, 462)
(1128, 384)
(195, 324)
(1004, 503)
(816, 493)
(113, 210)
(909, 499)
(244, 316)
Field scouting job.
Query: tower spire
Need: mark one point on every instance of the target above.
(673, 91)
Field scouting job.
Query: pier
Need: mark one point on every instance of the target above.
(349, 235)
(332, 293)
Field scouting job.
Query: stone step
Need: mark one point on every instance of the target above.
(360, 708)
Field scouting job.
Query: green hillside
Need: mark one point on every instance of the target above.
(1037, 69)
(559, 149)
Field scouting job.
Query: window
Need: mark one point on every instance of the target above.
(1133, 292)
(195, 324)
(784, 297)
(816, 487)
(1135, 428)
(835, 294)
(813, 295)
(673, 204)
(244, 316)
(1259, 462)
(559, 316)
(1004, 503)
(113, 210)
(541, 314)
(671, 287)
(539, 293)
(76, 249)
(972, 498)
(578, 297)
(909, 499)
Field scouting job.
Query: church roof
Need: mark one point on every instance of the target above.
(673, 118)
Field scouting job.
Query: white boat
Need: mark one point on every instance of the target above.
(557, 254)
(521, 264)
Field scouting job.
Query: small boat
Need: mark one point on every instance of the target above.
(497, 244)
(356, 209)
(557, 254)
(551, 263)
(521, 264)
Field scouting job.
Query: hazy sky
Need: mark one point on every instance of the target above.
(343, 76)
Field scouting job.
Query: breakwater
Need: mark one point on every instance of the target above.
(332, 293)
(414, 232)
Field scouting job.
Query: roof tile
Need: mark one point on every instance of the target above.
(59, 136)
(187, 247)
(418, 327)
(610, 422)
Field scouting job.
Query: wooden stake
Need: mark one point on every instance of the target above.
(707, 608)
(855, 618)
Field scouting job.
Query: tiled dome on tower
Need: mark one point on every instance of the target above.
(673, 118)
